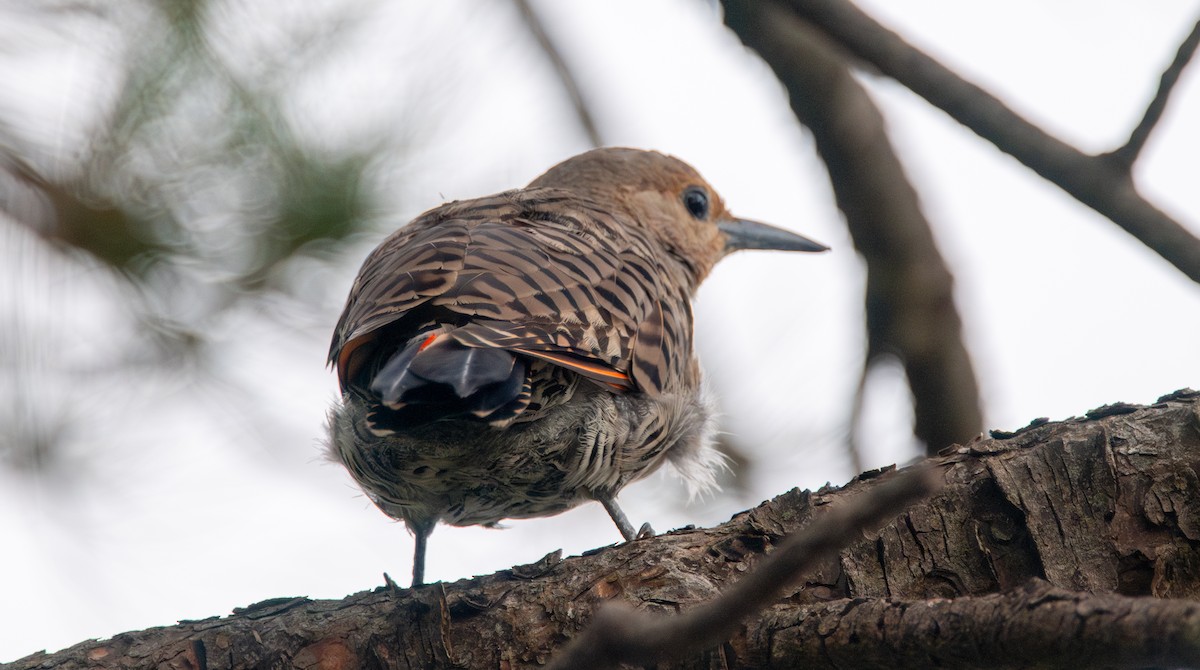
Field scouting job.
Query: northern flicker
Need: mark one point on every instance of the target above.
(519, 354)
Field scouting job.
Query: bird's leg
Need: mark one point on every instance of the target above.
(622, 521)
(421, 531)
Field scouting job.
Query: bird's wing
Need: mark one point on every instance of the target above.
(542, 276)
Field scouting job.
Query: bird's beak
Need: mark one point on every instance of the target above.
(747, 234)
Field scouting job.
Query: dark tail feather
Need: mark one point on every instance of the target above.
(464, 369)
(394, 378)
(435, 376)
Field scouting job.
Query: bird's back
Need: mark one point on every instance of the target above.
(474, 298)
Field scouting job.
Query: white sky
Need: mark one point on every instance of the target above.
(1063, 311)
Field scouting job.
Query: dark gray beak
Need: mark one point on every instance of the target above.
(747, 234)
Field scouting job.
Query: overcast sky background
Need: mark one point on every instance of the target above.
(1063, 311)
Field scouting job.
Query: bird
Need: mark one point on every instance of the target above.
(520, 354)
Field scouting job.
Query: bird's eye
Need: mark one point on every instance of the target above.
(696, 201)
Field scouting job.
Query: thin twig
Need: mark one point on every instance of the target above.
(1127, 154)
(1092, 180)
(565, 77)
(619, 635)
(854, 423)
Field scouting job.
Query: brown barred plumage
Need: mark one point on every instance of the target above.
(516, 355)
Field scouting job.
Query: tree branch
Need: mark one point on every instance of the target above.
(1105, 503)
(1096, 181)
(1036, 625)
(1128, 153)
(566, 78)
(910, 295)
(619, 634)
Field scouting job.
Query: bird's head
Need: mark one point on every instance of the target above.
(670, 199)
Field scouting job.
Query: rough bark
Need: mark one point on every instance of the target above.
(1065, 543)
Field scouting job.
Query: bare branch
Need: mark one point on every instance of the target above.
(565, 77)
(1036, 625)
(1127, 154)
(910, 296)
(619, 634)
(1096, 181)
(1104, 503)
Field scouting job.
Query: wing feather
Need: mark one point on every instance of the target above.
(532, 272)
